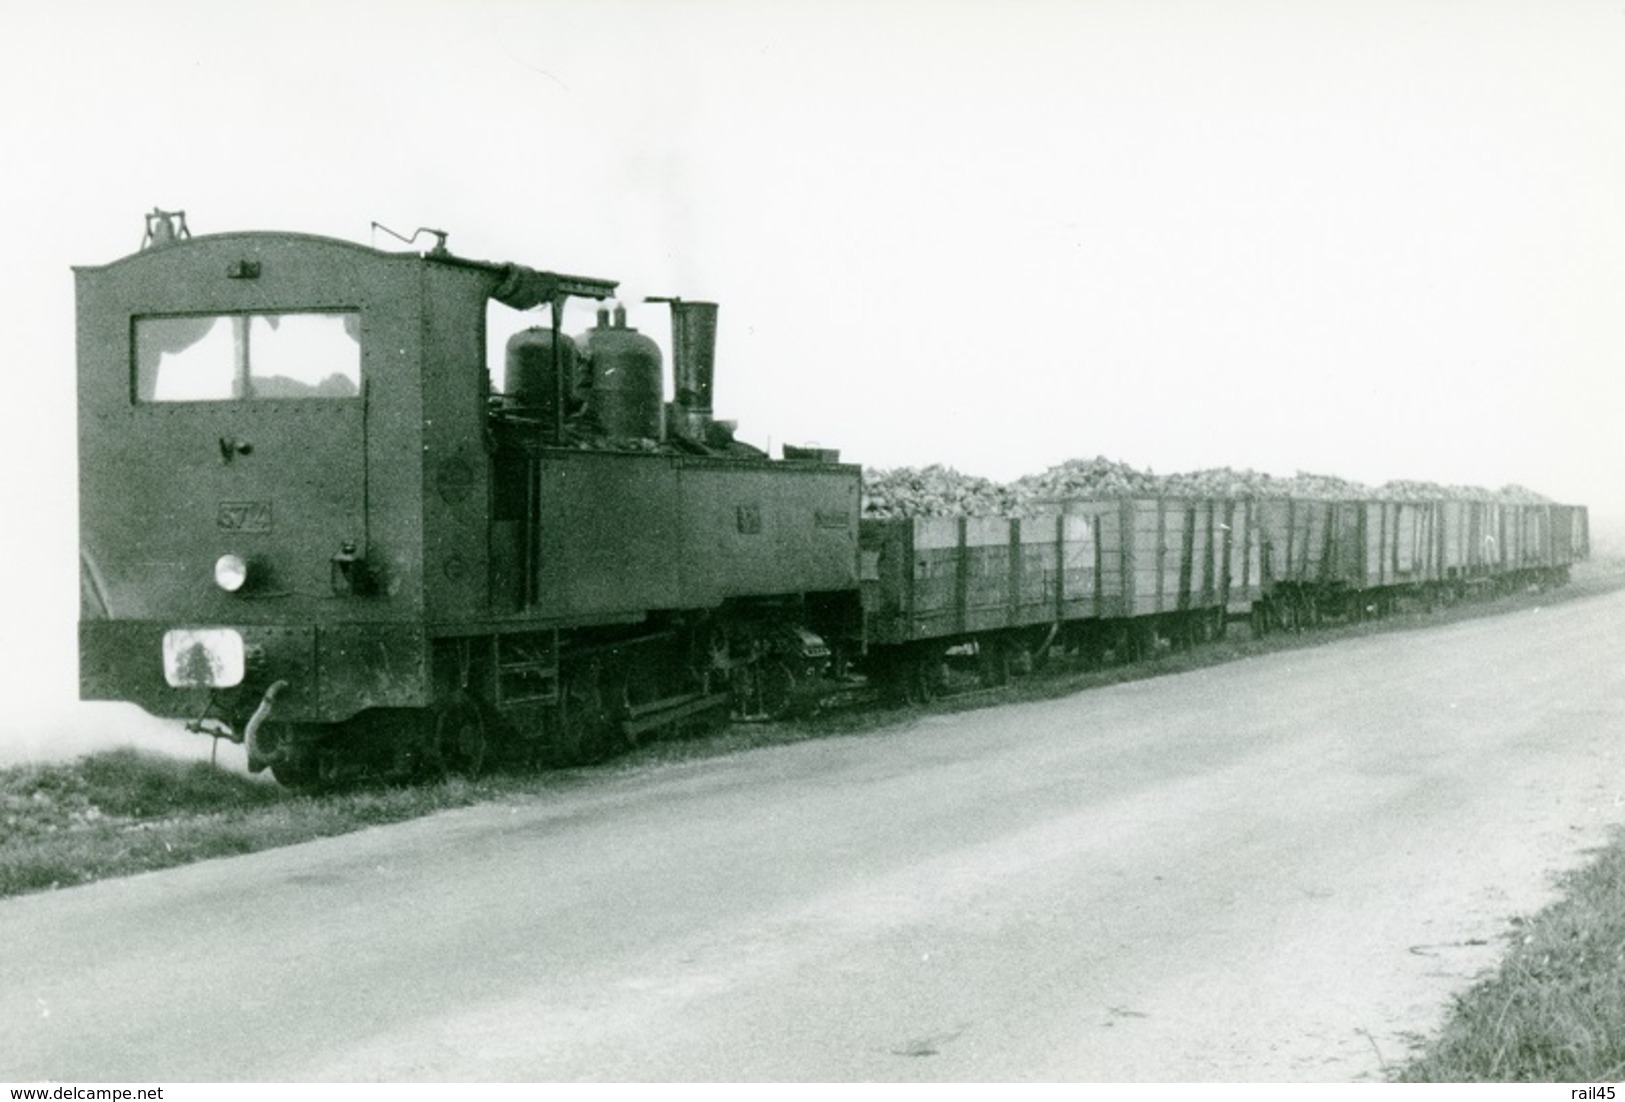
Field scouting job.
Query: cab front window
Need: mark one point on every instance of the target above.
(247, 357)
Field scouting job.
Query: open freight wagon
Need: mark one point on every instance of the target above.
(1348, 559)
(1119, 576)
(1122, 577)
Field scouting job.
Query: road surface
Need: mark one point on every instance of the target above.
(1278, 869)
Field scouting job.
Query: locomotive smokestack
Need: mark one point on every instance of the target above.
(693, 354)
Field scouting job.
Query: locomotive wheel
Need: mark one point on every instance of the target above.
(585, 733)
(777, 684)
(572, 727)
(764, 690)
(301, 771)
(295, 761)
(460, 735)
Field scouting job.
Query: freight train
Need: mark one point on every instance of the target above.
(311, 521)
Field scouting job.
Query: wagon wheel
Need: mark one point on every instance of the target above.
(1207, 624)
(460, 736)
(994, 661)
(1024, 660)
(894, 681)
(928, 677)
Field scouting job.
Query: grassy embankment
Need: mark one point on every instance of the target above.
(1555, 1011)
(120, 812)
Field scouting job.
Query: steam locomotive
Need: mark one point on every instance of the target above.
(311, 522)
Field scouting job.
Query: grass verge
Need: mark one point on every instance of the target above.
(124, 811)
(1554, 1011)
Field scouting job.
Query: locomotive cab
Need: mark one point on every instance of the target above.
(250, 414)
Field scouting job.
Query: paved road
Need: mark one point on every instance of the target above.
(1272, 870)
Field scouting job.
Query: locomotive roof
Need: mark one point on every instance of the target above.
(517, 285)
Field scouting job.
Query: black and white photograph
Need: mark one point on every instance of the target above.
(894, 544)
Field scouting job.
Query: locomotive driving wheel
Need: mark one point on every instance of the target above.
(763, 690)
(297, 764)
(586, 732)
(776, 688)
(297, 773)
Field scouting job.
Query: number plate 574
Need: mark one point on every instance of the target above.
(243, 516)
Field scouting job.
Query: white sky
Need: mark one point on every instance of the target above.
(1378, 240)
